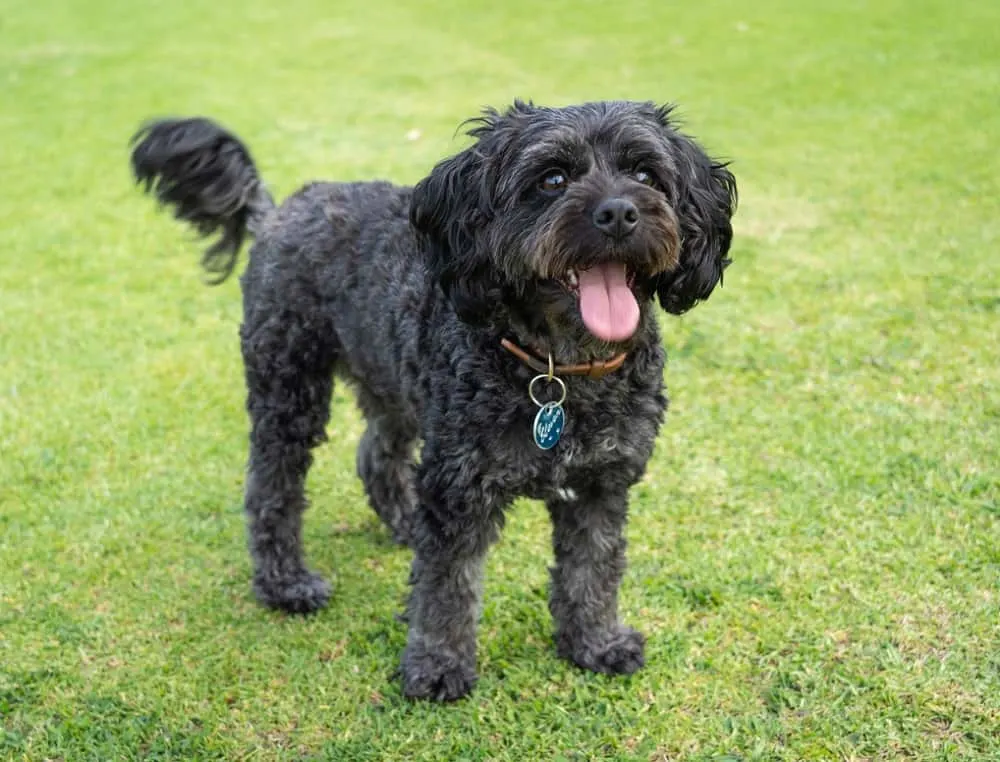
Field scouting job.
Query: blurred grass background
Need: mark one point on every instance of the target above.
(815, 554)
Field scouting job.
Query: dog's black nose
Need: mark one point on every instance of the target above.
(616, 217)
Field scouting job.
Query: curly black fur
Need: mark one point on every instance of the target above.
(405, 293)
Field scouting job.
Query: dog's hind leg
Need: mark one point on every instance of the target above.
(289, 363)
(385, 466)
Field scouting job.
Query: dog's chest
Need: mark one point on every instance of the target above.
(600, 441)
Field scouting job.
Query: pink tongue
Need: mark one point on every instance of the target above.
(607, 306)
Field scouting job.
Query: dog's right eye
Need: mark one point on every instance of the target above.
(553, 181)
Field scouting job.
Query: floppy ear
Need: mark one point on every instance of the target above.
(704, 198)
(449, 211)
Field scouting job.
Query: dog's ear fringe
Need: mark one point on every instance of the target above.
(448, 212)
(705, 198)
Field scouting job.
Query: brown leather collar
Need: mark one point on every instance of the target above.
(592, 369)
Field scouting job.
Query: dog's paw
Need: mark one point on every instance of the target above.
(619, 652)
(302, 593)
(431, 676)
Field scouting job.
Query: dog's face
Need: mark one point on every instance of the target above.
(576, 217)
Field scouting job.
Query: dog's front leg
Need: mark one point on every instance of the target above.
(589, 544)
(453, 530)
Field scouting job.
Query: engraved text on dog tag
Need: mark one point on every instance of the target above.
(549, 423)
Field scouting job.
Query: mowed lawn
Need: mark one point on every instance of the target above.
(815, 552)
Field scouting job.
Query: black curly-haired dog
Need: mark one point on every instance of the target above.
(536, 252)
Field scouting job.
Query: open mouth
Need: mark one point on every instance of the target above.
(608, 306)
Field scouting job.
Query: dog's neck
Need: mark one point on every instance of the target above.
(568, 345)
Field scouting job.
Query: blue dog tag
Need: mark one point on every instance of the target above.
(549, 422)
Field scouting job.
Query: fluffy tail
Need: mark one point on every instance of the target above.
(208, 176)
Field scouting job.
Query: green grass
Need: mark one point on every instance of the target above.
(815, 554)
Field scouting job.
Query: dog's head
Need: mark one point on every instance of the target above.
(579, 215)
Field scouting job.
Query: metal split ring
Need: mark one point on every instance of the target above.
(550, 379)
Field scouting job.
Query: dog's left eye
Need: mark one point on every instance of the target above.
(644, 177)
(553, 181)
